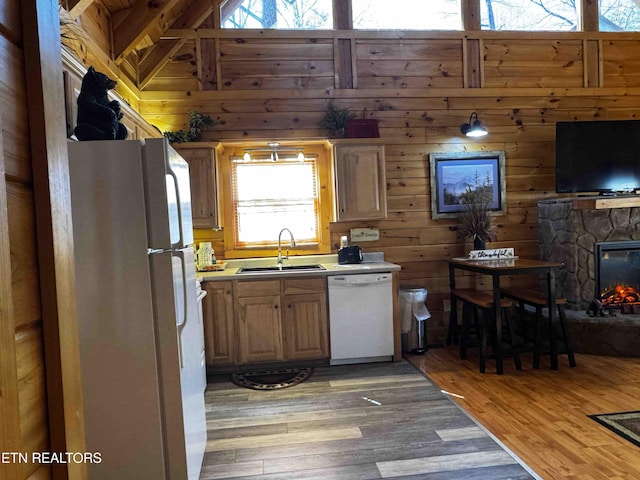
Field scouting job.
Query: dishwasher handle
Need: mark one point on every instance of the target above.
(359, 280)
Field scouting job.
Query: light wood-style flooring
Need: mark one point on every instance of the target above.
(541, 415)
(355, 422)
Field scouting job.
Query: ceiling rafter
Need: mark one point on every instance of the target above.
(164, 49)
(76, 7)
(143, 17)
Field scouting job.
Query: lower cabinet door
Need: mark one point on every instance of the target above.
(305, 322)
(259, 329)
(219, 331)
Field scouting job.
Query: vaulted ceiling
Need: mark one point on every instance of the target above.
(134, 28)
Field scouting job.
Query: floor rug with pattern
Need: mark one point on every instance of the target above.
(271, 379)
(625, 424)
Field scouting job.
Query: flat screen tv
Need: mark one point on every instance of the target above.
(598, 157)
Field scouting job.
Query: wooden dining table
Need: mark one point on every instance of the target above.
(497, 268)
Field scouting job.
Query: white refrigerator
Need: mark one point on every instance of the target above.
(141, 338)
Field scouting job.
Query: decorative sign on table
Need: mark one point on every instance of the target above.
(493, 254)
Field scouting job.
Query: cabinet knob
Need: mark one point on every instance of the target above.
(275, 306)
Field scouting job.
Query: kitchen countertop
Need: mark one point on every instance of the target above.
(372, 263)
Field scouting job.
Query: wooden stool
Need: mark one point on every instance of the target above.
(538, 300)
(475, 301)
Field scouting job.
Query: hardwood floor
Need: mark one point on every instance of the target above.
(541, 415)
(355, 422)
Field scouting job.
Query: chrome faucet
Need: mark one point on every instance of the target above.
(293, 244)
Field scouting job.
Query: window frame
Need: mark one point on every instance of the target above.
(325, 203)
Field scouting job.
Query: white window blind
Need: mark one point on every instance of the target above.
(268, 196)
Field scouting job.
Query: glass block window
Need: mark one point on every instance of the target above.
(407, 14)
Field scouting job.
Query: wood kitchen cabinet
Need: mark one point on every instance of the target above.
(259, 321)
(305, 319)
(203, 176)
(360, 182)
(219, 331)
(266, 321)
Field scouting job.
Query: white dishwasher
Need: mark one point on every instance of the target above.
(360, 318)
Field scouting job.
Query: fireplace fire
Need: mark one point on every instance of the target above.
(617, 270)
(621, 296)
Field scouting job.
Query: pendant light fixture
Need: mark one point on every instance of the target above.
(474, 128)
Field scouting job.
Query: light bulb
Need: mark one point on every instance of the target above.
(247, 156)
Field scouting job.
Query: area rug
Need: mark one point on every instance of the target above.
(625, 424)
(271, 379)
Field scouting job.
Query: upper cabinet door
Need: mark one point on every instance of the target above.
(360, 182)
(202, 172)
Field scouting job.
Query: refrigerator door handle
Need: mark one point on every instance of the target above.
(185, 294)
(176, 184)
(180, 355)
(181, 323)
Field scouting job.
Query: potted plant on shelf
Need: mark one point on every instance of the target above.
(197, 122)
(475, 220)
(335, 120)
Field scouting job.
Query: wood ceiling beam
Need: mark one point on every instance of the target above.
(77, 7)
(227, 9)
(142, 19)
(158, 58)
(164, 49)
(194, 15)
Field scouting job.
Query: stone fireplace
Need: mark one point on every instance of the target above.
(570, 230)
(576, 232)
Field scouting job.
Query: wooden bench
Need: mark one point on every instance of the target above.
(538, 300)
(474, 302)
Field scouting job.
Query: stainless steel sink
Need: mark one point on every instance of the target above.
(281, 268)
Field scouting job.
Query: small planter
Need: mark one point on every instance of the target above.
(335, 120)
(363, 127)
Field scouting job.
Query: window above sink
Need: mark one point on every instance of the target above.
(265, 195)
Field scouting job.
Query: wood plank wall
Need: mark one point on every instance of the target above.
(23, 403)
(421, 86)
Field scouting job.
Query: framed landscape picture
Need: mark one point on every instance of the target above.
(455, 174)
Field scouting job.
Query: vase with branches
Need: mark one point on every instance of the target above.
(475, 218)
